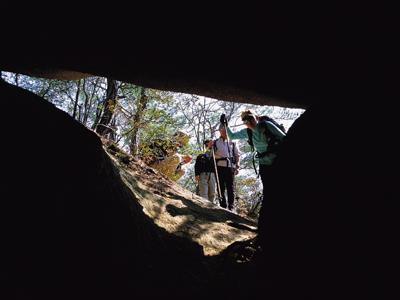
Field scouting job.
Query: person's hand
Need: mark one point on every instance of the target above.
(236, 171)
(197, 178)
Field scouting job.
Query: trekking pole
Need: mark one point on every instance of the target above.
(230, 154)
(223, 121)
(229, 149)
(216, 177)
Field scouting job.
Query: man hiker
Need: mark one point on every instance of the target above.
(264, 136)
(228, 161)
(204, 170)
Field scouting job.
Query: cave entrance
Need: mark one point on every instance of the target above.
(139, 119)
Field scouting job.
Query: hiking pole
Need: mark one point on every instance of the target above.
(216, 177)
(230, 156)
(224, 122)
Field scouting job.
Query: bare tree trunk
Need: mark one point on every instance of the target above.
(16, 79)
(99, 108)
(80, 113)
(112, 135)
(78, 90)
(140, 108)
(83, 118)
(109, 105)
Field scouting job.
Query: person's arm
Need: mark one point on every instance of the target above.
(239, 135)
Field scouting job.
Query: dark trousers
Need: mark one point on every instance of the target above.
(225, 176)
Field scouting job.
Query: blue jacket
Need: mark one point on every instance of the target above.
(259, 139)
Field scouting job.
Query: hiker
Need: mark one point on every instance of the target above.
(204, 170)
(228, 163)
(264, 135)
(162, 155)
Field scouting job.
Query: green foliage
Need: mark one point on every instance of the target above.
(157, 148)
(155, 122)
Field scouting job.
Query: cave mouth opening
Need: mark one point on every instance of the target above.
(136, 119)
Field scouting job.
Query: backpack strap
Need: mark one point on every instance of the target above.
(250, 140)
(254, 163)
